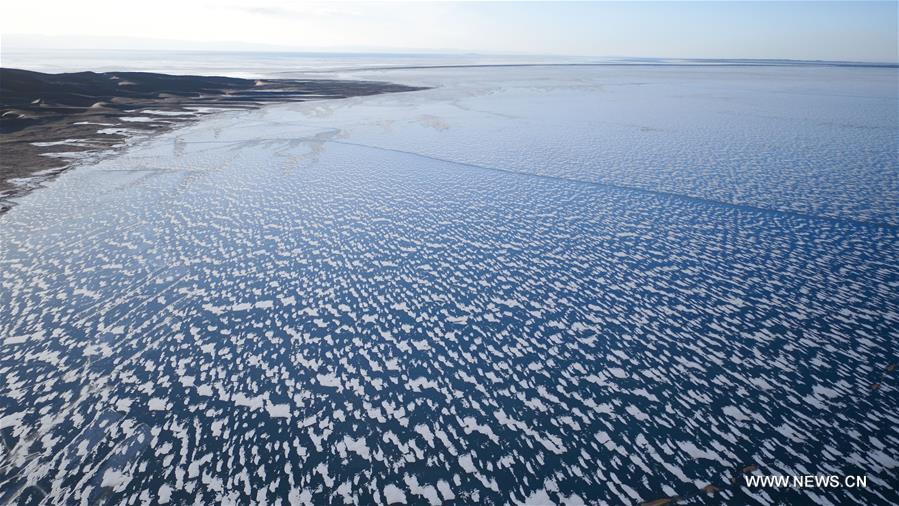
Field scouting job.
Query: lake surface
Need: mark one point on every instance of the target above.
(566, 285)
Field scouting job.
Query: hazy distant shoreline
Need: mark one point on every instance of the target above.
(647, 62)
(49, 120)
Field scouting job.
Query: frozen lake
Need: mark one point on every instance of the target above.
(570, 284)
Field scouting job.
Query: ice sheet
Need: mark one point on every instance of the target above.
(542, 284)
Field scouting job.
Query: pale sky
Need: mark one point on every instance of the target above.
(853, 30)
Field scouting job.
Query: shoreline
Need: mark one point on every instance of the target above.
(50, 122)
